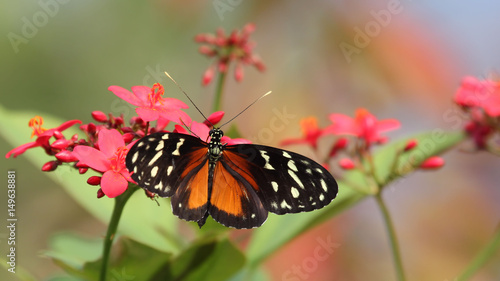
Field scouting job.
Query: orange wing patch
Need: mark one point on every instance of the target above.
(198, 188)
(227, 192)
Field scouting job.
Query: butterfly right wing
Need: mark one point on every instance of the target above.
(173, 165)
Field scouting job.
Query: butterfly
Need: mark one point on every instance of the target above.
(235, 184)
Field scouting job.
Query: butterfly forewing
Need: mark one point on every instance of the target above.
(286, 182)
(159, 161)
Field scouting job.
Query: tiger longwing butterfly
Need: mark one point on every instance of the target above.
(235, 184)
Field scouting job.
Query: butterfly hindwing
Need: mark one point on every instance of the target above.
(286, 182)
(234, 201)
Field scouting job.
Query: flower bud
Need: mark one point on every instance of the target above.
(346, 164)
(410, 144)
(99, 116)
(433, 162)
(94, 180)
(66, 156)
(100, 193)
(50, 166)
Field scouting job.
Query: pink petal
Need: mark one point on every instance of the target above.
(173, 103)
(126, 175)
(109, 141)
(342, 124)
(147, 114)
(126, 95)
(67, 124)
(199, 129)
(214, 118)
(21, 149)
(387, 125)
(142, 93)
(113, 184)
(92, 157)
(176, 116)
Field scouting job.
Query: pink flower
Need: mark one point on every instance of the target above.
(346, 164)
(43, 136)
(151, 105)
(109, 159)
(227, 48)
(310, 133)
(476, 93)
(364, 126)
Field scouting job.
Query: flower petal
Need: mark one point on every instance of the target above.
(342, 124)
(174, 103)
(142, 93)
(147, 114)
(92, 157)
(126, 95)
(387, 125)
(113, 184)
(109, 141)
(21, 149)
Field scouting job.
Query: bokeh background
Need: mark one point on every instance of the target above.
(408, 69)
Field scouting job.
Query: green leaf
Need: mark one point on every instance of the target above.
(279, 230)
(429, 144)
(133, 260)
(143, 220)
(207, 259)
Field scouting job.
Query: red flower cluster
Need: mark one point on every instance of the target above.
(227, 48)
(481, 99)
(106, 143)
(364, 127)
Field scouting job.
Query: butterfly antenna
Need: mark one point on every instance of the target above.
(246, 108)
(182, 90)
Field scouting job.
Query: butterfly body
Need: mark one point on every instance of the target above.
(235, 184)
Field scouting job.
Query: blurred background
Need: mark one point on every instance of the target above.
(399, 59)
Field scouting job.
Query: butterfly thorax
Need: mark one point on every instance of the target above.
(215, 146)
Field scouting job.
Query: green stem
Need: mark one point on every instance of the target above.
(219, 90)
(482, 258)
(392, 238)
(113, 225)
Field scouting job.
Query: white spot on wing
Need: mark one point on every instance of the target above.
(295, 192)
(253, 216)
(169, 170)
(154, 171)
(156, 157)
(159, 146)
(323, 185)
(165, 137)
(179, 144)
(285, 205)
(296, 178)
(321, 197)
(158, 186)
(319, 170)
(275, 186)
(140, 144)
(285, 154)
(274, 205)
(136, 155)
(266, 157)
(309, 171)
(291, 165)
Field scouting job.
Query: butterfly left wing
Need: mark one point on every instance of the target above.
(286, 182)
(173, 165)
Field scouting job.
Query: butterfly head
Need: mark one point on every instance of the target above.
(216, 135)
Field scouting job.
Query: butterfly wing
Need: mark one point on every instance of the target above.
(234, 201)
(286, 182)
(173, 165)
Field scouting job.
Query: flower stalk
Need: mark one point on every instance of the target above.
(113, 226)
(396, 256)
